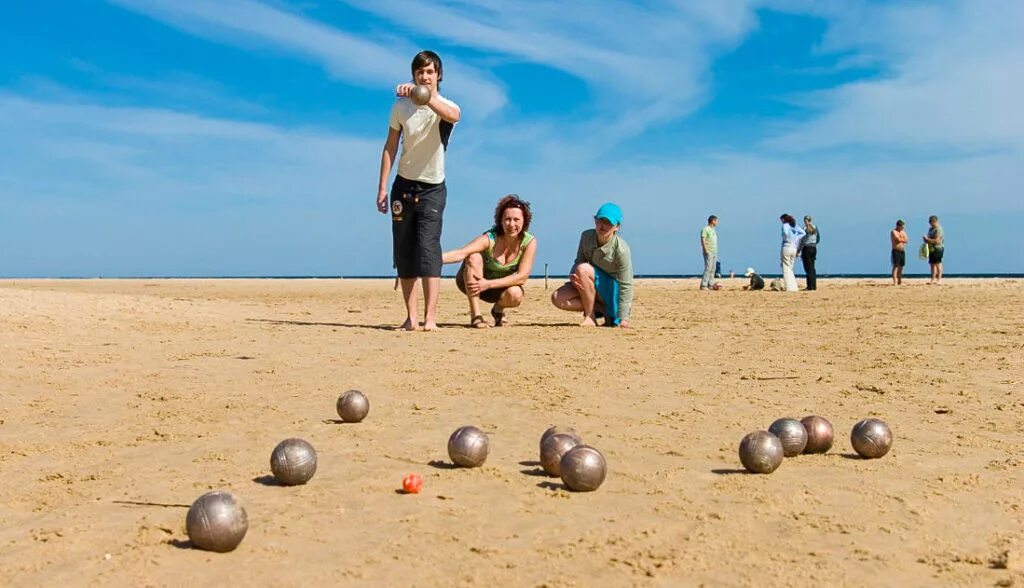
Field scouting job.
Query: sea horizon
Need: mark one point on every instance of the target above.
(1008, 275)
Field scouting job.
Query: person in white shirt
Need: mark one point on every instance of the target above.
(791, 237)
(418, 194)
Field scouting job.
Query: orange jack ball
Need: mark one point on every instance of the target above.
(412, 484)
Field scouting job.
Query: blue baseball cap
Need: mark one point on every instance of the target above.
(610, 212)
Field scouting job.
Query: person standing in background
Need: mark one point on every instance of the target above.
(936, 240)
(791, 236)
(898, 240)
(709, 246)
(808, 252)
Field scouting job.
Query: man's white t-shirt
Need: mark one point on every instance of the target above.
(424, 140)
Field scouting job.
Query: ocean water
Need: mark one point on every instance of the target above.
(550, 276)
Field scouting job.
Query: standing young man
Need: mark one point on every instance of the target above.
(936, 240)
(898, 239)
(418, 194)
(709, 245)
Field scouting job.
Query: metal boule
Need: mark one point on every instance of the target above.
(583, 468)
(819, 434)
(468, 447)
(353, 406)
(792, 434)
(761, 452)
(216, 521)
(293, 462)
(553, 449)
(871, 438)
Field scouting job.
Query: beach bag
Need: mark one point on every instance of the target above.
(923, 251)
(777, 285)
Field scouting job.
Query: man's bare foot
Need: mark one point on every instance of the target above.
(588, 322)
(431, 326)
(408, 325)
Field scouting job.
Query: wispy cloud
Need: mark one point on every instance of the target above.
(645, 62)
(953, 81)
(345, 55)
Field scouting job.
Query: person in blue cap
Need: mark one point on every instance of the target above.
(601, 280)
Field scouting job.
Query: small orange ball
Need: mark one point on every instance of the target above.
(412, 484)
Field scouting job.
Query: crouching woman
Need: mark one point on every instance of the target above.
(601, 281)
(496, 265)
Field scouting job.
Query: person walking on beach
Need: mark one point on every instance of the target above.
(709, 245)
(601, 280)
(808, 252)
(496, 265)
(936, 240)
(791, 236)
(419, 193)
(898, 239)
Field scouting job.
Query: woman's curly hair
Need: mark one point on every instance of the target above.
(511, 201)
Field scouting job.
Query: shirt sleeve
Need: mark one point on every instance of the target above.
(393, 120)
(581, 250)
(624, 259)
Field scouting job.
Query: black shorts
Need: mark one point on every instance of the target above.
(935, 255)
(417, 209)
(491, 296)
(899, 258)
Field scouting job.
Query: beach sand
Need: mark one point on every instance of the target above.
(123, 401)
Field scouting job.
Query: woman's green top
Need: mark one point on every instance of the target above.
(494, 270)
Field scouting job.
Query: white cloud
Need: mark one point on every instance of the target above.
(647, 63)
(345, 55)
(953, 79)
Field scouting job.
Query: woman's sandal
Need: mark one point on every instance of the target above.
(499, 318)
(478, 322)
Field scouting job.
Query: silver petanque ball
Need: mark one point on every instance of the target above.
(353, 406)
(559, 430)
(420, 95)
(761, 452)
(468, 447)
(819, 434)
(792, 434)
(871, 438)
(216, 521)
(293, 462)
(583, 468)
(553, 449)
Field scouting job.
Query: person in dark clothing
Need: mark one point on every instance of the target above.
(809, 252)
(756, 281)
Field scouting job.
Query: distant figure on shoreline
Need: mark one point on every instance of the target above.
(898, 239)
(601, 280)
(791, 236)
(809, 252)
(756, 281)
(709, 246)
(496, 264)
(936, 240)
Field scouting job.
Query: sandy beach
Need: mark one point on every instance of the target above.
(124, 400)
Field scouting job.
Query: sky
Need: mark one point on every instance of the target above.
(243, 137)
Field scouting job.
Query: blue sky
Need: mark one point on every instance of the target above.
(243, 137)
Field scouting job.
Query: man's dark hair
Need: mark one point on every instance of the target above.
(426, 57)
(712, 218)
